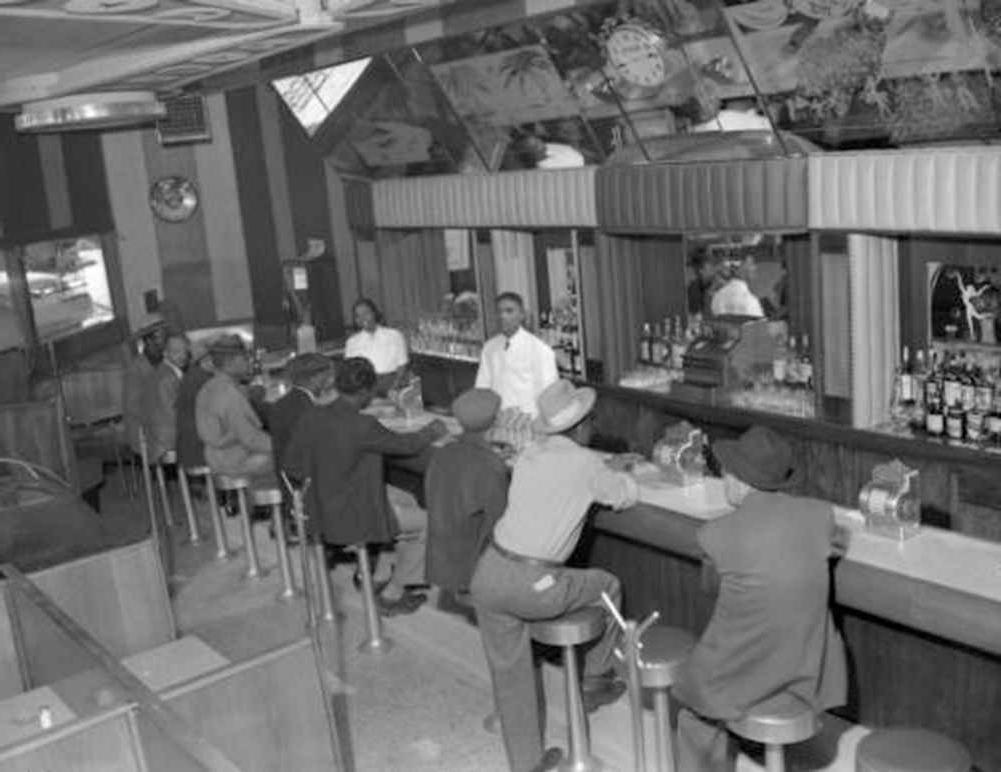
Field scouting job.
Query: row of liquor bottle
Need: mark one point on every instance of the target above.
(563, 337)
(949, 394)
(666, 344)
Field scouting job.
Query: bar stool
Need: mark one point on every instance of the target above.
(376, 641)
(240, 485)
(910, 750)
(218, 531)
(574, 629)
(664, 651)
(194, 538)
(169, 458)
(780, 721)
(271, 496)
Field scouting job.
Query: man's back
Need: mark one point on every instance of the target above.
(161, 410)
(234, 440)
(771, 629)
(283, 417)
(466, 491)
(190, 450)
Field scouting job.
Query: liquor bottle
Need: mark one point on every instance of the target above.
(984, 398)
(954, 421)
(994, 420)
(792, 364)
(806, 364)
(952, 384)
(920, 377)
(667, 342)
(934, 417)
(968, 386)
(646, 344)
(679, 344)
(906, 375)
(779, 361)
(657, 347)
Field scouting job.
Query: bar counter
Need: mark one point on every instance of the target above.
(921, 618)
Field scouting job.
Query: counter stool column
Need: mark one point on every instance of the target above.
(779, 722)
(240, 485)
(182, 478)
(375, 642)
(222, 551)
(169, 458)
(271, 496)
(664, 652)
(902, 749)
(323, 571)
(567, 632)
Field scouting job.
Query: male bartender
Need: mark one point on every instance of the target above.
(771, 635)
(516, 364)
(521, 578)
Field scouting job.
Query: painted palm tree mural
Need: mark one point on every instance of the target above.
(530, 70)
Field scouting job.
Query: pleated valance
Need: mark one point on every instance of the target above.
(743, 195)
(561, 198)
(938, 190)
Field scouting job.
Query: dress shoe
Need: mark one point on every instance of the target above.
(550, 760)
(596, 692)
(408, 603)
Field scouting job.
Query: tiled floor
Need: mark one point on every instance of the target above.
(418, 707)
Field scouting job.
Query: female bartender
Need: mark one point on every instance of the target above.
(383, 346)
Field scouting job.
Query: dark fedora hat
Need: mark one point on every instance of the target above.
(761, 458)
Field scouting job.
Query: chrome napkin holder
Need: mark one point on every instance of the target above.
(891, 503)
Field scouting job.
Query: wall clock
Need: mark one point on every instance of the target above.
(640, 60)
(173, 199)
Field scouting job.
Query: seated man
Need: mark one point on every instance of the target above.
(312, 377)
(161, 412)
(190, 449)
(340, 449)
(235, 443)
(521, 578)
(466, 491)
(771, 631)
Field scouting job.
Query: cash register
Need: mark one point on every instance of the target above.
(728, 350)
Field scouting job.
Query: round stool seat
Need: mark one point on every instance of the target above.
(168, 457)
(226, 483)
(910, 750)
(198, 471)
(573, 629)
(267, 497)
(782, 720)
(664, 651)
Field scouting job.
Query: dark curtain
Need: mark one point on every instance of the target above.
(613, 294)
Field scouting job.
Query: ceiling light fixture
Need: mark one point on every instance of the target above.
(99, 110)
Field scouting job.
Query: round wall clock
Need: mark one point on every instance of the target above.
(173, 199)
(638, 55)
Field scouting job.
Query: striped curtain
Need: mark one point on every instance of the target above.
(413, 271)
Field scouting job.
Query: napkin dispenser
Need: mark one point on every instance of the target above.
(679, 454)
(890, 501)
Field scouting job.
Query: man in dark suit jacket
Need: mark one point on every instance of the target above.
(312, 378)
(161, 397)
(190, 449)
(341, 449)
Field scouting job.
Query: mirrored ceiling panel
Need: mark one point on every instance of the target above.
(651, 80)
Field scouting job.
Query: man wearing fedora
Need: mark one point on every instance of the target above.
(465, 488)
(521, 576)
(771, 634)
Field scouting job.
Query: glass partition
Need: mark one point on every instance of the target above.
(66, 702)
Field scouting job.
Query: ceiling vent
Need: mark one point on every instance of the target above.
(186, 121)
(104, 110)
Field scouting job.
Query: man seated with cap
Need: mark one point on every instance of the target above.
(771, 634)
(235, 441)
(340, 450)
(521, 578)
(465, 487)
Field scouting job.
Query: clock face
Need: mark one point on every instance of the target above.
(637, 56)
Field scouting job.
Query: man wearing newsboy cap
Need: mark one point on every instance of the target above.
(521, 576)
(771, 635)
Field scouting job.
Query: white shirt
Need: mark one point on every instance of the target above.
(735, 299)
(385, 349)
(518, 368)
(555, 481)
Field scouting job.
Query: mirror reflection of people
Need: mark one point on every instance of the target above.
(735, 297)
(383, 346)
(771, 634)
(516, 364)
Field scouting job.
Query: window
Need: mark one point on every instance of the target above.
(67, 281)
